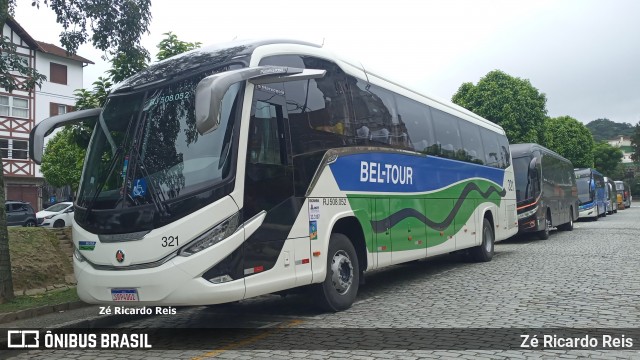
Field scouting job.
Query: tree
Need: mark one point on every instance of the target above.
(171, 46)
(635, 143)
(605, 129)
(571, 139)
(606, 158)
(510, 102)
(116, 27)
(62, 160)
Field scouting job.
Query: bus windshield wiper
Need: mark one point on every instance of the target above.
(112, 166)
(157, 197)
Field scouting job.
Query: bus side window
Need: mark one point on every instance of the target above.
(417, 119)
(447, 134)
(491, 148)
(473, 150)
(264, 142)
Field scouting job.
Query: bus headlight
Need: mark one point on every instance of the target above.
(527, 213)
(212, 236)
(78, 255)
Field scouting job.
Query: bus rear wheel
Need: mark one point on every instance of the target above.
(568, 226)
(484, 252)
(544, 234)
(339, 289)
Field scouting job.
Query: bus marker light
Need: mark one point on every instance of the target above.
(220, 279)
(305, 261)
(316, 253)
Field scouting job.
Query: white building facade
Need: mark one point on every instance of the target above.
(20, 110)
(624, 144)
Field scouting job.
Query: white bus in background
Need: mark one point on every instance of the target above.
(249, 168)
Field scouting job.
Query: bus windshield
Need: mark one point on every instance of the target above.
(146, 148)
(584, 194)
(523, 182)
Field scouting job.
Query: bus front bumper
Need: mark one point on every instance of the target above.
(177, 282)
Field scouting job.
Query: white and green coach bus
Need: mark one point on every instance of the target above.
(250, 168)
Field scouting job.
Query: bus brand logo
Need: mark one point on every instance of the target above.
(23, 339)
(120, 256)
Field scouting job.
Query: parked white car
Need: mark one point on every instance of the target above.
(57, 216)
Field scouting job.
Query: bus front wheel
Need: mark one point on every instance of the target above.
(339, 289)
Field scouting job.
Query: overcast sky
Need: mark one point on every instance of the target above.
(583, 54)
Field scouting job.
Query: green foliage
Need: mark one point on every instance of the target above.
(13, 68)
(171, 46)
(89, 100)
(62, 160)
(508, 101)
(606, 158)
(605, 129)
(635, 143)
(571, 139)
(124, 65)
(93, 99)
(115, 25)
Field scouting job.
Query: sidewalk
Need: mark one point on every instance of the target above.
(85, 317)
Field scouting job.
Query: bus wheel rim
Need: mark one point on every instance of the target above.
(341, 272)
(487, 243)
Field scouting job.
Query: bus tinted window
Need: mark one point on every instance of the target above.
(447, 133)
(492, 153)
(417, 119)
(504, 151)
(376, 116)
(472, 143)
(317, 109)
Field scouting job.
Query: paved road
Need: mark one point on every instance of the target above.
(581, 279)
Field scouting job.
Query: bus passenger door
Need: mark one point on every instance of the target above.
(269, 256)
(381, 219)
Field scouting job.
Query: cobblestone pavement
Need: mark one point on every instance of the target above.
(587, 278)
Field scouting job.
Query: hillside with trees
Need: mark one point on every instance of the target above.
(605, 129)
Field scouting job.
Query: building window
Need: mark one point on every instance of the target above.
(58, 73)
(14, 149)
(59, 109)
(4, 106)
(4, 148)
(20, 149)
(14, 106)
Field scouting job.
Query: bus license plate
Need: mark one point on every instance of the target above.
(124, 295)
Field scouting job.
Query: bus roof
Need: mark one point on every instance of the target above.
(241, 50)
(518, 150)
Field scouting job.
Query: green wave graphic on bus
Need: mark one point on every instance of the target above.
(421, 220)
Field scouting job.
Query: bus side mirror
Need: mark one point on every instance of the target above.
(46, 127)
(211, 90)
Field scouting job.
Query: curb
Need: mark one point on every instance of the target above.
(39, 311)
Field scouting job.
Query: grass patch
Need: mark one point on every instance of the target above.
(36, 260)
(50, 298)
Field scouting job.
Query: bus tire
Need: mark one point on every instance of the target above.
(484, 252)
(544, 234)
(339, 289)
(568, 226)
